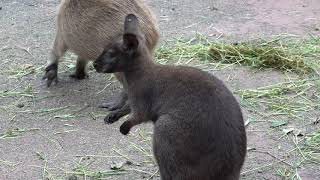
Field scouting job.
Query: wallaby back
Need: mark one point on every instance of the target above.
(199, 132)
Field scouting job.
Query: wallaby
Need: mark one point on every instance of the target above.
(199, 132)
(86, 27)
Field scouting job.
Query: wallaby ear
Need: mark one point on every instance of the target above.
(131, 32)
(131, 24)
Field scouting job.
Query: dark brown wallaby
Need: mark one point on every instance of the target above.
(199, 132)
(86, 27)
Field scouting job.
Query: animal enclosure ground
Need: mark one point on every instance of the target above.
(58, 132)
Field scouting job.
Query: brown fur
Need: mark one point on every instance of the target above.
(199, 132)
(86, 27)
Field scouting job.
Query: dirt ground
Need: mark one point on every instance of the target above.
(59, 131)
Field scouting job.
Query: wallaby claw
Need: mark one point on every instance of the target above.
(111, 118)
(51, 74)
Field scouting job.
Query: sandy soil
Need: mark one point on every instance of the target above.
(61, 125)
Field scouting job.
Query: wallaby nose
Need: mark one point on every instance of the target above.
(98, 67)
(95, 64)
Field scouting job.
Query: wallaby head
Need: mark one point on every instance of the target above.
(123, 54)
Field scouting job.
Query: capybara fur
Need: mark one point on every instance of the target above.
(87, 27)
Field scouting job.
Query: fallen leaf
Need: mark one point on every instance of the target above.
(294, 131)
(251, 148)
(117, 165)
(316, 121)
(247, 122)
(288, 130)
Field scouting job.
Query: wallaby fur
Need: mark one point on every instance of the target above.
(86, 27)
(199, 132)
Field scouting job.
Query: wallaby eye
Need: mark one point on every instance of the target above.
(112, 53)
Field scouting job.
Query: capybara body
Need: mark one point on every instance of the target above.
(199, 132)
(86, 27)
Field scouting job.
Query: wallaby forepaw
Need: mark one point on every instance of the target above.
(79, 76)
(51, 74)
(111, 118)
(125, 127)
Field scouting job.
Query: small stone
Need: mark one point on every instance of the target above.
(117, 165)
(20, 105)
(212, 8)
